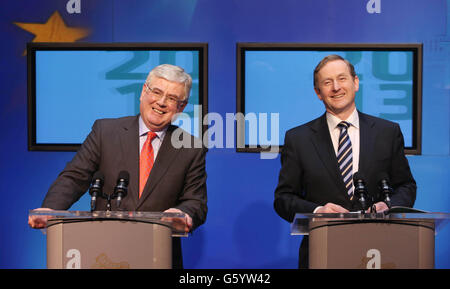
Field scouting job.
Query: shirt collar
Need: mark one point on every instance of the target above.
(333, 120)
(143, 129)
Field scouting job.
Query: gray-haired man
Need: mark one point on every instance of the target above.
(176, 179)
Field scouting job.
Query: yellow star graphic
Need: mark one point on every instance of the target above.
(54, 30)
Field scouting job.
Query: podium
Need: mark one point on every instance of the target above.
(370, 241)
(110, 239)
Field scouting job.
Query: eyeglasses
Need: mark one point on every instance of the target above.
(158, 94)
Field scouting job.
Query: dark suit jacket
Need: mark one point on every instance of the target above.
(177, 179)
(309, 176)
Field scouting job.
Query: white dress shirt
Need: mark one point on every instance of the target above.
(353, 133)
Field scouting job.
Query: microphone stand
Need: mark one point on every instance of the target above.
(360, 191)
(108, 202)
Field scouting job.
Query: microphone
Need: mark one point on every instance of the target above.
(121, 188)
(96, 188)
(385, 188)
(360, 188)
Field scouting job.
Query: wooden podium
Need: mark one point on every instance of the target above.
(370, 241)
(107, 240)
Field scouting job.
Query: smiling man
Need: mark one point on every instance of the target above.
(162, 97)
(320, 157)
(336, 84)
(162, 177)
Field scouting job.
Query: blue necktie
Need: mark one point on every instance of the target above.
(345, 157)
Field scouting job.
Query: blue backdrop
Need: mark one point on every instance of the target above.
(242, 229)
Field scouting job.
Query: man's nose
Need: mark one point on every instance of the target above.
(336, 85)
(162, 101)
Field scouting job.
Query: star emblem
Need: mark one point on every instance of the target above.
(54, 30)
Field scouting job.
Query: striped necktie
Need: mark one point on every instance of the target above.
(345, 157)
(146, 160)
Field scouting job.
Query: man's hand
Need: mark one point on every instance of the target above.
(331, 208)
(39, 222)
(180, 224)
(380, 207)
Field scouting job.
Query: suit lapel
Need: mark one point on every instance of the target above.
(321, 140)
(129, 138)
(164, 159)
(367, 141)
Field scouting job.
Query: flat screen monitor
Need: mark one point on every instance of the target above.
(70, 85)
(275, 80)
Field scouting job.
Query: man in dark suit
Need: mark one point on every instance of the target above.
(312, 179)
(177, 179)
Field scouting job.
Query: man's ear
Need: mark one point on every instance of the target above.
(318, 93)
(356, 82)
(142, 93)
(181, 106)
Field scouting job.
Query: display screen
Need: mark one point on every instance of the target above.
(277, 80)
(71, 86)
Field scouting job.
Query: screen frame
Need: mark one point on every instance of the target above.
(243, 47)
(33, 47)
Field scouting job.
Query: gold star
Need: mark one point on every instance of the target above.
(54, 30)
